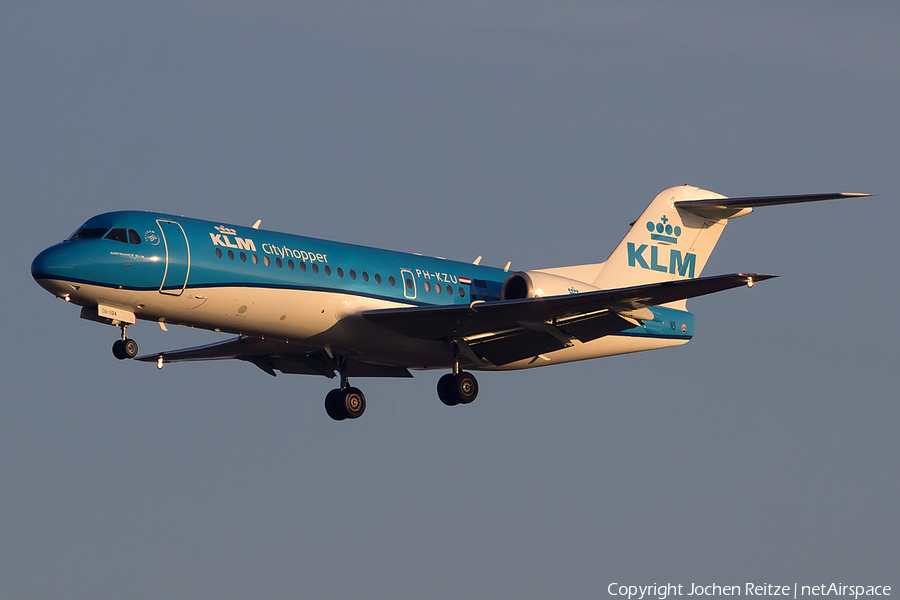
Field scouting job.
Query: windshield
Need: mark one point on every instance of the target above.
(118, 234)
(88, 233)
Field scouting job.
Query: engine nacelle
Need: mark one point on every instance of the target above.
(535, 284)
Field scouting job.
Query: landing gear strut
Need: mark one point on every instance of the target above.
(126, 347)
(345, 402)
(457, 387)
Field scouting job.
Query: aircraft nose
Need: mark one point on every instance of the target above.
(51, 265)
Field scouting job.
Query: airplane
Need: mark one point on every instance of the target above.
(309, 306)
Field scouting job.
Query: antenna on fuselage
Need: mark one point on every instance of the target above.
(256, 225)
(477, 261)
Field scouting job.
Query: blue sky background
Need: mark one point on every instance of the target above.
(765, 450)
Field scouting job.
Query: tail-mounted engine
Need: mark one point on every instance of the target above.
(535, 284)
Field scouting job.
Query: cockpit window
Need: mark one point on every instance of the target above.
(133, 237)
(89, 233)
(117, 234)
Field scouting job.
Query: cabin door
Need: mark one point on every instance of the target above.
(409, 283)
(178, 258)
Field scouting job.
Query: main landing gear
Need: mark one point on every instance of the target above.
(346, 402)
(457, 387)
(126, 347)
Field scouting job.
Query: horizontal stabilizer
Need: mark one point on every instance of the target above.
(725, 208)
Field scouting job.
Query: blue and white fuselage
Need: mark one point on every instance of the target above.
(303, 291)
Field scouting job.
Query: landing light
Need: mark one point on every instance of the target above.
(749, 282)
(154, 258)
(159, 362)
(66, 298)
(538, 293)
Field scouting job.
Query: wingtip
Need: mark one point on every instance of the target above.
(855, 195)
(752, 278)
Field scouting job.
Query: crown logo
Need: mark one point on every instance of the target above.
(226, 230)
(663, 231)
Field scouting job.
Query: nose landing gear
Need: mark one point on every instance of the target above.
(126, 347)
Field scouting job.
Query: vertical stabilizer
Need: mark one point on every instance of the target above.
(666, 243)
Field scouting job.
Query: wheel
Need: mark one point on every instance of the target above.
(466, 387)
(353, 402)
(446, 391)
(118, 349)
(333, 406)
(129, 348)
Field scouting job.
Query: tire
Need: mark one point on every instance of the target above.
(353, 401)
(466, 387)
(333, 406)
(118, 350)
(446, 390)
(129, 348)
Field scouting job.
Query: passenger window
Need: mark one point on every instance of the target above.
(315, 268)
(462, 293)
(303, 266)
(118, 234)
(327, 270)
(254, 259)
(340, 272)
(218, 253)
(134, 237)
(278, 263)
(266, 260)
(230, 255)
(438, 288)
(426, 285)
(377, 278)
(243, 257)
(409, 283)
(352, 274)
(291, 265)
(392, 281)
(365, 277)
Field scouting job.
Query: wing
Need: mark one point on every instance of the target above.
(509, 330)
(273, 355)
(500, 332)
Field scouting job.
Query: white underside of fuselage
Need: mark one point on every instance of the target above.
(310, 321)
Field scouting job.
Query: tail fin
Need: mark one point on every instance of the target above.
(675, 235)
(665, 243)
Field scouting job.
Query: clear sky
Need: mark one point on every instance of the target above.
(766, 450)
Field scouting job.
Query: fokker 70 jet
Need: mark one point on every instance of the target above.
(310, 306)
